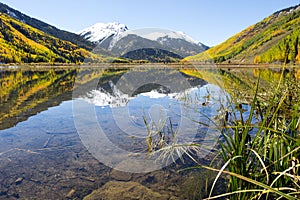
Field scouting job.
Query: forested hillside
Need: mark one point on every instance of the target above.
(21, 43)
(273, 40)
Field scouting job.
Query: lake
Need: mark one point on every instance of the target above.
(65, 131)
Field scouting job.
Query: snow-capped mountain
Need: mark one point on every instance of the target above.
(101, 31)
(119, 40)
(163, 35)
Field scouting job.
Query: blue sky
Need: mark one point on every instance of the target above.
(209, 22)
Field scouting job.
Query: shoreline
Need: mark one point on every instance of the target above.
(145, 65)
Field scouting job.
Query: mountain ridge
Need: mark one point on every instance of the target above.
(152, 55)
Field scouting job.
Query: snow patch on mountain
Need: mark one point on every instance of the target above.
(13, 15)
(164, 35)
(101, 31)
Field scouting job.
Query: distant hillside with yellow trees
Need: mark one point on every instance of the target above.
(21, 43)
(273, 40)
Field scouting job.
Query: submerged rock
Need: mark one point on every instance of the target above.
(120, 176)
(125, 190)
(19, 181)
(71, 193)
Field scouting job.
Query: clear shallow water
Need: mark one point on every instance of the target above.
(44, 154)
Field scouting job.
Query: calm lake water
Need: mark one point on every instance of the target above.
(65, 132)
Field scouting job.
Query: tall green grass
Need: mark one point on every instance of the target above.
(261, 149)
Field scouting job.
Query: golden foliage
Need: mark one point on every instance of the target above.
(21, 43)
(271, 40)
